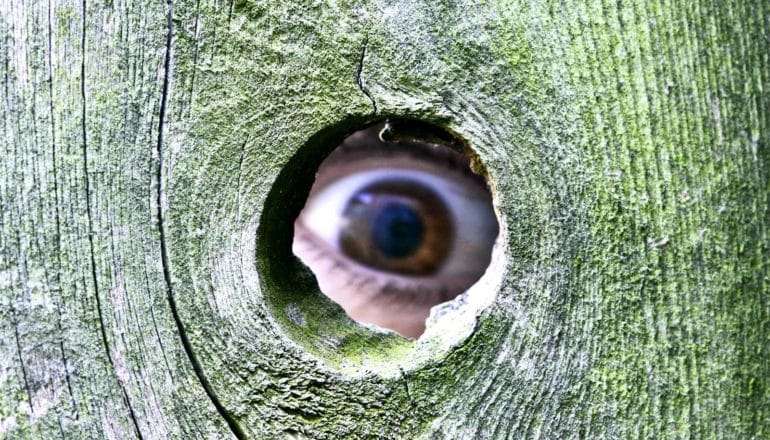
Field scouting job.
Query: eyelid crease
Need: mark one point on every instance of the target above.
(333, 172)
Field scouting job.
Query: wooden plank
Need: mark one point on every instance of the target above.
(146, 145)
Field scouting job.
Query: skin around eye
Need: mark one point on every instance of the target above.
(391, 229)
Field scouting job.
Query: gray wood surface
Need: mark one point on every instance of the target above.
(628, 144)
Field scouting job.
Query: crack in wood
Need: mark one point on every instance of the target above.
(223, 412)
(359, 75)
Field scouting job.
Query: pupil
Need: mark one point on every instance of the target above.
(397, 230)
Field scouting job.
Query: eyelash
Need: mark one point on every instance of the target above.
(354, 273)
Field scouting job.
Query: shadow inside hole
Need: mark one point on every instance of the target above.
(290, 288)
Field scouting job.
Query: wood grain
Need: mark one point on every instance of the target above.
(627, 143)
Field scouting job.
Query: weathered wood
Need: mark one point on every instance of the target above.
(628, 144)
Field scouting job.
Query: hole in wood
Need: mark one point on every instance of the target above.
(396, 223)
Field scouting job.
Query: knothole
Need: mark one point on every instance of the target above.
(374, 233)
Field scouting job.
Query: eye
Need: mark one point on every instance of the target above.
(396, 223)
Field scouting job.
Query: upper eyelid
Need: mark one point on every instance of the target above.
(434, 151)
(461, 176)
(326, 196)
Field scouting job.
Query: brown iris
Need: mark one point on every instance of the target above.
(397, 226)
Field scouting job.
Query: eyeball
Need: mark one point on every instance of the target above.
(396, 223)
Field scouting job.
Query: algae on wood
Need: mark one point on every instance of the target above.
(627, 142)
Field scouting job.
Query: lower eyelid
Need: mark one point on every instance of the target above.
(333, 273)
(358, 291)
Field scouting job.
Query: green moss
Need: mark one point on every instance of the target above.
(627, 143)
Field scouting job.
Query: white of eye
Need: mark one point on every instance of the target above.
(468, 205)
